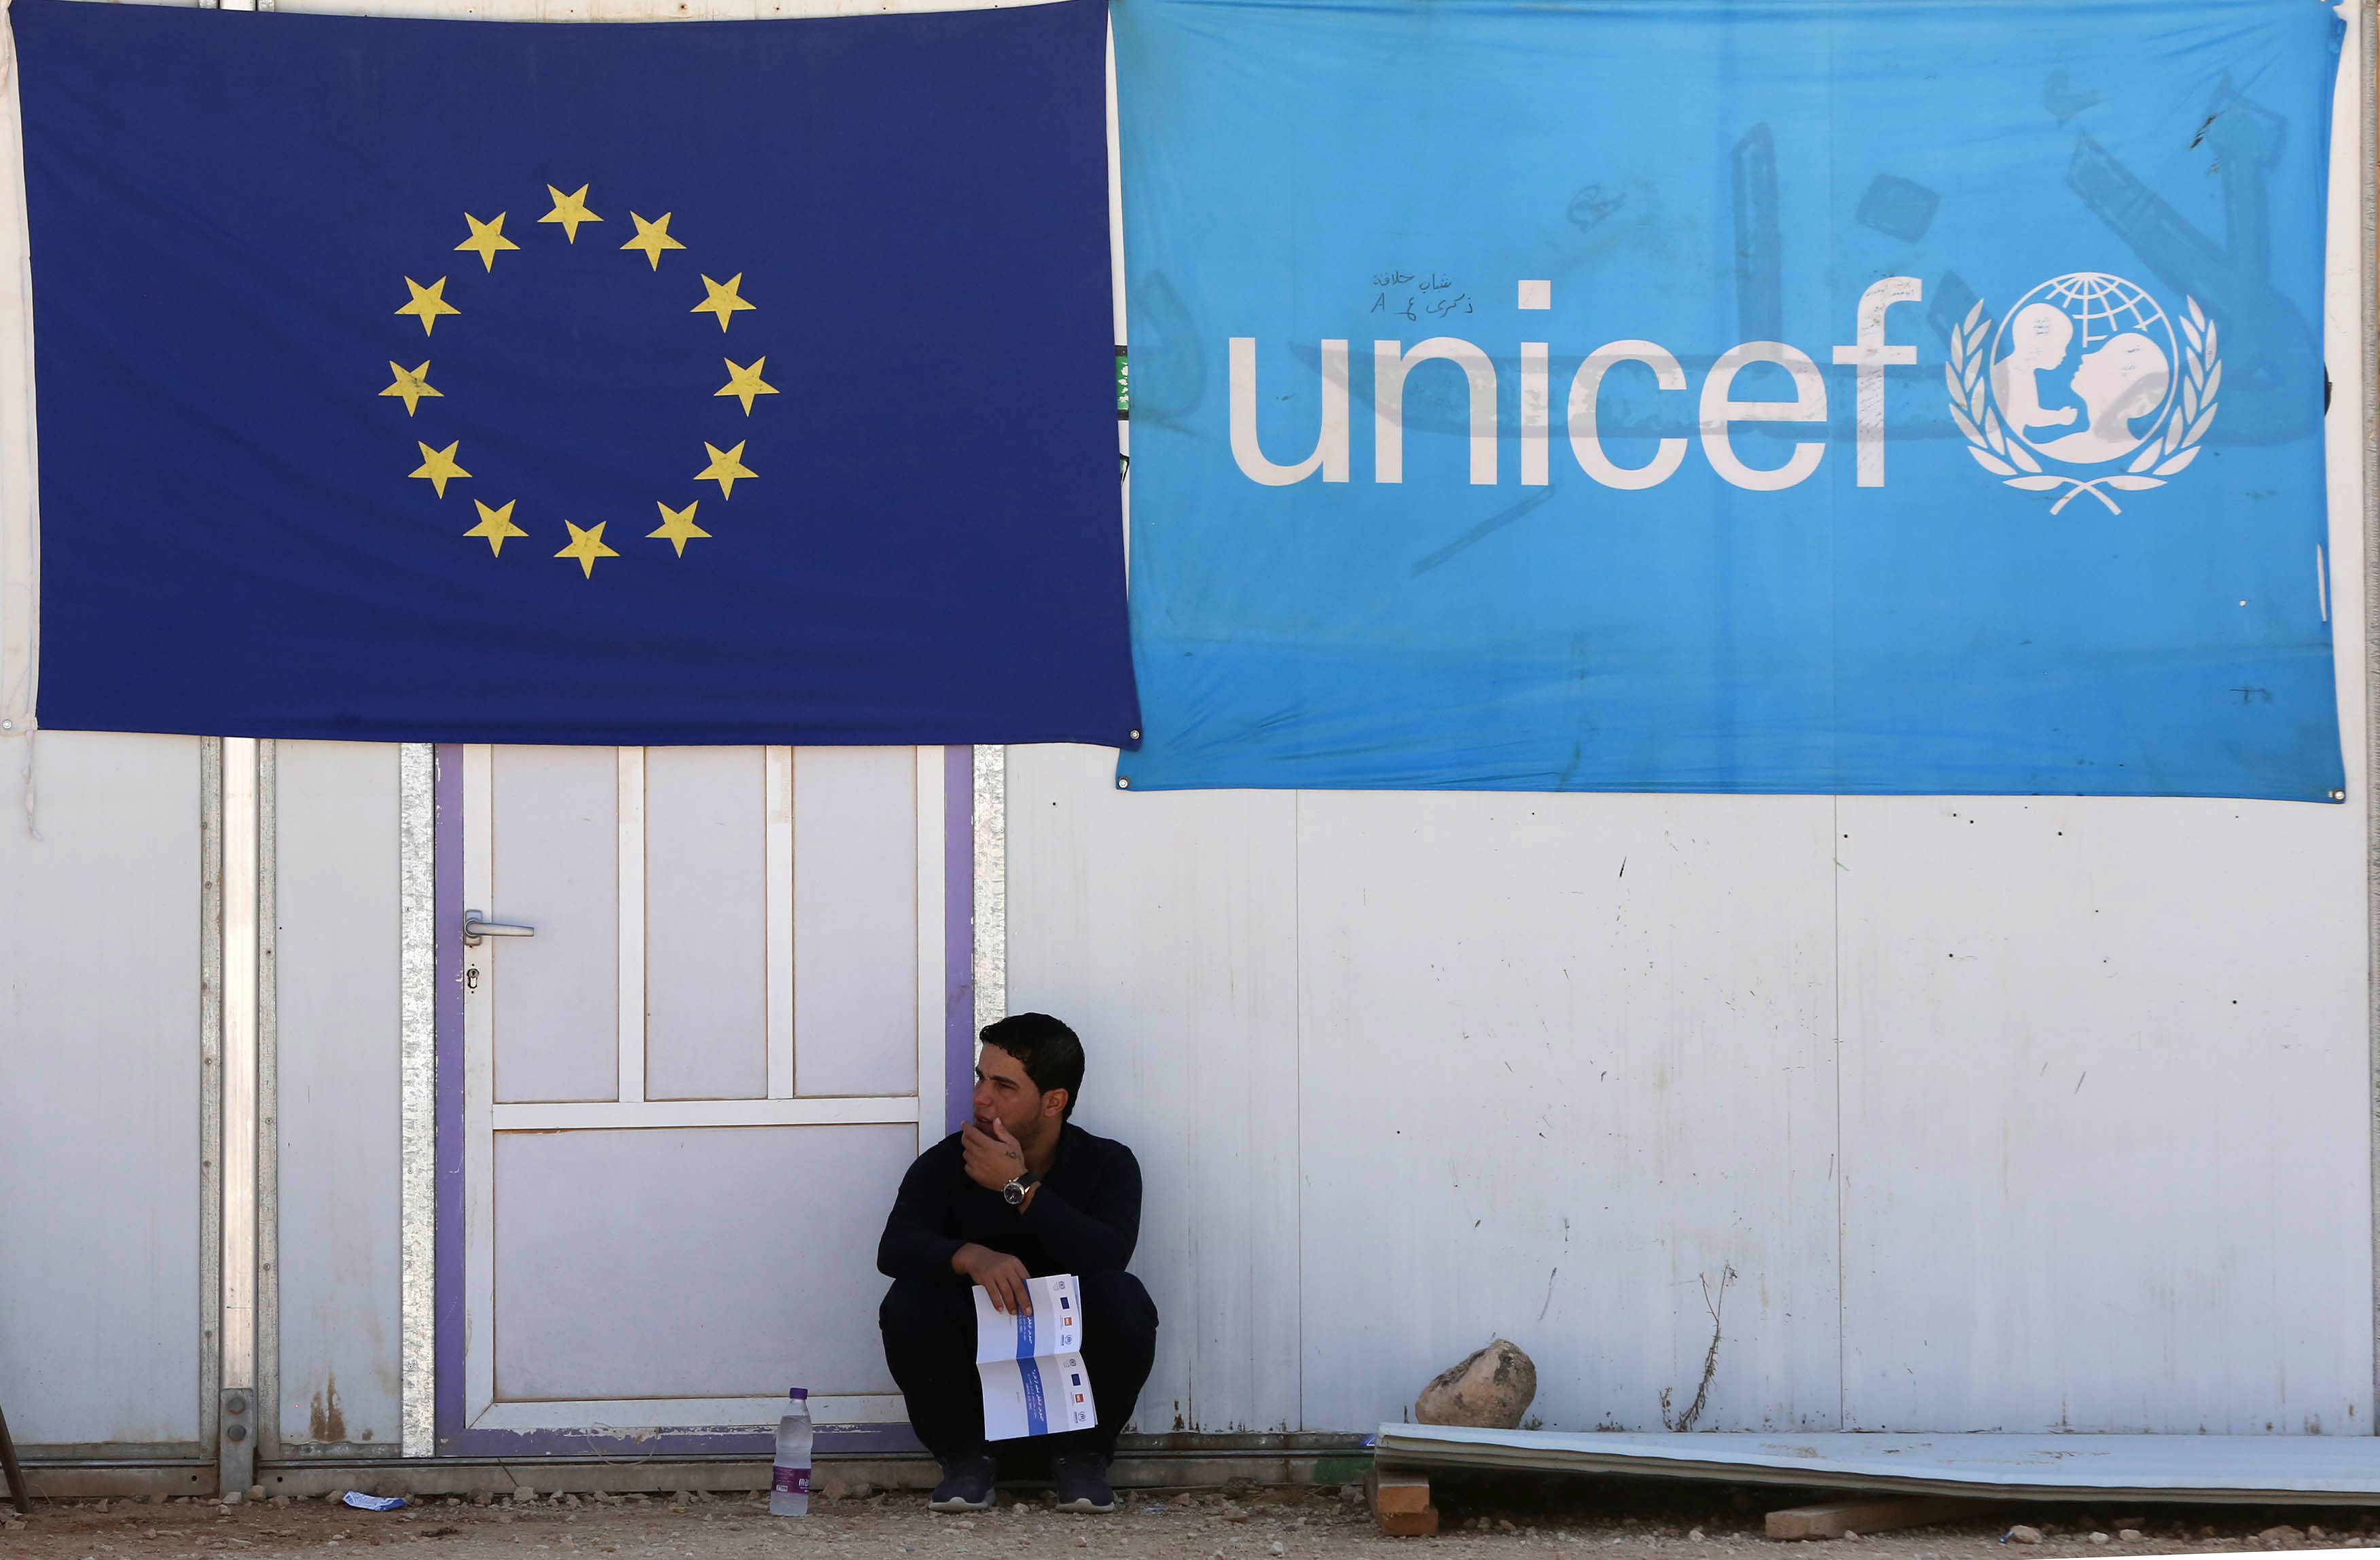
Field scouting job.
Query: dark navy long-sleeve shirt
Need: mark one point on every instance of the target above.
(1086, 1218)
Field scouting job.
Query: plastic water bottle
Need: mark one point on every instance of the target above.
(789, 1483)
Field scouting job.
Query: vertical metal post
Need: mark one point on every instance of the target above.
(991, 884)
(418, 1049)
(266, 1429)
(2368, 233)
(236, 1442)
(211, 1294)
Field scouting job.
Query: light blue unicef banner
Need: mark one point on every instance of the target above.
(1667, 395)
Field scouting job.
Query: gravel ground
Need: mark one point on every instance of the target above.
(1482, 1517)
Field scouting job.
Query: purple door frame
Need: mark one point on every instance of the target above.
(454, 1439)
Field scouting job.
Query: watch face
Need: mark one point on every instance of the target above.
(1013, 1191)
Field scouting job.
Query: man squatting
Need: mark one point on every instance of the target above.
(1019, 1192)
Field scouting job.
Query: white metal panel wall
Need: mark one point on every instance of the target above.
(1164, 928)
(1569, 1065)
(336, 953)
(1407, 1070)
(100, 1301)
(2104, 1116)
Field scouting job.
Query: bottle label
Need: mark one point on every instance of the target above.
(791, 1481)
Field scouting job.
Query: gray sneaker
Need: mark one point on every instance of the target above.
(1082, 1482)
(967, 1484)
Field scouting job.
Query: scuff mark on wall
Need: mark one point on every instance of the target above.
(325, 1421)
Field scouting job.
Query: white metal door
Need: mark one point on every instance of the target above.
(691, 1092)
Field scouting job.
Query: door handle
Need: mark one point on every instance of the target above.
(474, 928)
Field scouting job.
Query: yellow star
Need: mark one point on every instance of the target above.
(652, 237)
(486, 238)
(496, 525)
(725, 467)
(438, 465)
(427, 303)
(569, 211)
(678, 526)
(722, 300)
(586, 546)
(414, 383)
(743, 384)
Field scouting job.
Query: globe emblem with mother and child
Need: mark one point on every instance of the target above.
(2084, 372)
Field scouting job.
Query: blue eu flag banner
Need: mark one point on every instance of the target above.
(702, 383)
(1750, 395)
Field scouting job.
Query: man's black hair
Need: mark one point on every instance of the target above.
(1051, 1053)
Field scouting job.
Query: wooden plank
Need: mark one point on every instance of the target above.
(1398, 1493)
(1400, 1503)
(1838, 1518)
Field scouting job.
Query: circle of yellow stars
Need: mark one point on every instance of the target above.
(723, 299)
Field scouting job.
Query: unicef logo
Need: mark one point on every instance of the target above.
(2084, 373)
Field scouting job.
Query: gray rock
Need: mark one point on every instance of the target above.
(2022, 1534)
(524, 1495)
(1490, 1390)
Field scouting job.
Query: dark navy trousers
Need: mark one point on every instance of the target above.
(929, 1344)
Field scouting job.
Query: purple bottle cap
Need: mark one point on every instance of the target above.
(803, 1393)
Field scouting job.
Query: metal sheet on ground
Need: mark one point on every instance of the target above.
(2337, 1470)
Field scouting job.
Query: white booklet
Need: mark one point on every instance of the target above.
(1032, 1368)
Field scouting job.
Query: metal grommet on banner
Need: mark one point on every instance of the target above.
(1122, 783)
(1135, 736)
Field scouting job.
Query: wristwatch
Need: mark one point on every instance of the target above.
(1014, 1191)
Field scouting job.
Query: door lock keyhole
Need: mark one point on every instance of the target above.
(471, 979)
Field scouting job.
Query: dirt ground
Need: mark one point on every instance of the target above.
(1608, 1519)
